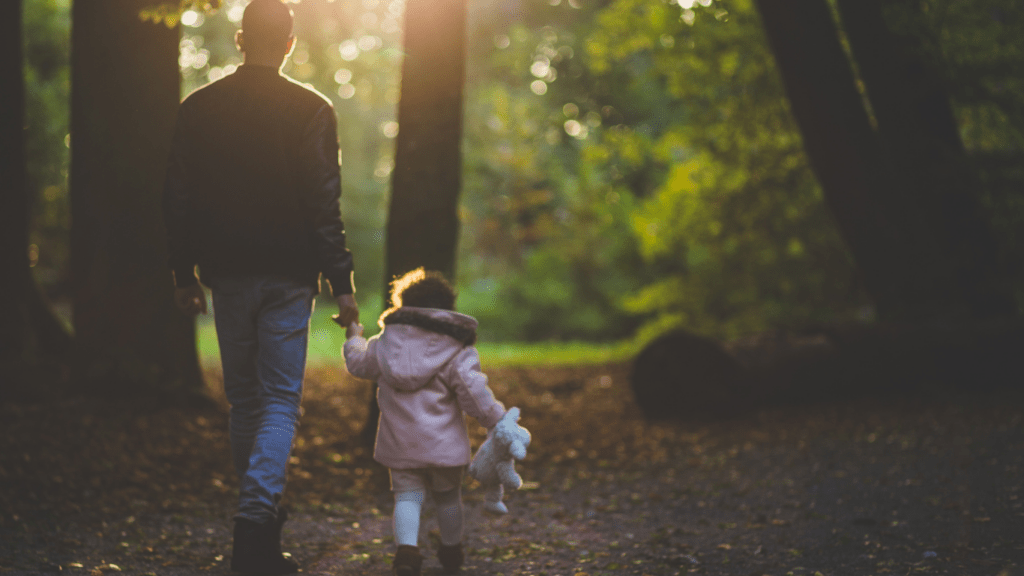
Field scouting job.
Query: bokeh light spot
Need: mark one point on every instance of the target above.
(343, 76)
(389, 129)
(540, 67)
(367, 43)
(348, 50)
(346, 91)
(236, 12)
(384, 167)
(390, 26)
(191, 18)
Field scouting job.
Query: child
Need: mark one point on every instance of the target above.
(428, 374)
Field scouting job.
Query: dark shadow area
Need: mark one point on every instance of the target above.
(684, 376)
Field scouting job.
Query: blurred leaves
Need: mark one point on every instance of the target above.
(169, 13)
(47, 89)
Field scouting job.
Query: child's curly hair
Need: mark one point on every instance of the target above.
(423, 289)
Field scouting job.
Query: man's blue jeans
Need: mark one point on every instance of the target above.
(263, 328)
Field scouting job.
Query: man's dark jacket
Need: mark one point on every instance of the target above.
(253, 184)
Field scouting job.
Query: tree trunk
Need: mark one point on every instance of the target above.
(33, 344)
(423, 222)
(840, 142)
(906, 244)
(125, 93)
(939, 197)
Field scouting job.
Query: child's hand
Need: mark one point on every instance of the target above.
(354, 329)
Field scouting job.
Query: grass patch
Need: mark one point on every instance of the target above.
(499, 354)
(326, 340)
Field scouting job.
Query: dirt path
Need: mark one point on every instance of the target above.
(908, 486)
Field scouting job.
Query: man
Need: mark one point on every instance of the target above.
(252, 198)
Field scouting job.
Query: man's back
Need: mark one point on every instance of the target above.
(256, 154)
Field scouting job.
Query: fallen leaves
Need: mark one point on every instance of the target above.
(155, 489)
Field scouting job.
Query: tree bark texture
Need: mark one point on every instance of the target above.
(914, 228)
(33, 344)
(423, 222)
(125, 94)
(939, 197)
(841, 145)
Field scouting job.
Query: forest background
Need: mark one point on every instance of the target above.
(628, 166)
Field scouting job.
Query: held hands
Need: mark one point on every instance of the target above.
(348, 315)
(353, 329)
(191, 299)
(348, 310)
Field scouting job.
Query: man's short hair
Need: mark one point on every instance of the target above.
(267, 23)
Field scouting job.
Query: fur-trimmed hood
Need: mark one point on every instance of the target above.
(417, 342)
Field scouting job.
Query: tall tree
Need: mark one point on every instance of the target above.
(32, 341)
(423, 221)
(423, 224)
(939, 194)
(901, 194)
(125, 93)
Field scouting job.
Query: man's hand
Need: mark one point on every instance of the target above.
(191, 299)
(348, 310)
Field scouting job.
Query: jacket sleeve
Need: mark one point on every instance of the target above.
(361, 357)
(470, 386)
(321, 188)
(181, 256)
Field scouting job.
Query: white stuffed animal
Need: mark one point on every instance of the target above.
(494, 462)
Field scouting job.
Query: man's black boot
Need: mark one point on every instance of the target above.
(257, 549)
(282, 517)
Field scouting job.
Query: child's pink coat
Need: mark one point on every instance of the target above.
(426, 380)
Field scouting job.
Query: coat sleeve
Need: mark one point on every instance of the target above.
(470, 386)
(361, 357)
(321, 184)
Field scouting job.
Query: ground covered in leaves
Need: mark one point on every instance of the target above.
(920, 485)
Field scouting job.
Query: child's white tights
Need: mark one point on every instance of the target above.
(407, 516)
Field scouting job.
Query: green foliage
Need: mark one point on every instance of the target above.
(169, 13)
(546, 250)
(738, 221)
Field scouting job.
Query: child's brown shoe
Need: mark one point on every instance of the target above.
(408, 561)
(451, 557)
